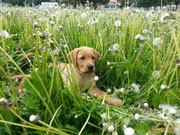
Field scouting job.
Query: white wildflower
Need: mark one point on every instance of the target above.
(126, 72)
(157, 41)
(33, 118)
(136, 116)
(156, 74)
(76, 116)
(108, 90)
(145, 104)
(168, 109)
(140, 37)
(35, 24)
(129, 131)
(103, 116)
(115, 133)
(117, 23)
(145, 31)
(4, 34)
(90, 22)
(163, 17)
(177, 126)
(60, 26)
(172, 111)
(84, 15)
(163, 86)
(96, 78)
(104, 124)
(122, 90)
(108, 63)
(135, 87)
(2, 100)
(51, 22)
(148, 15)
(96, 20)
(115, 47)
(111, 128)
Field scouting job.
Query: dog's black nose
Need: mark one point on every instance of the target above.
(90, 67)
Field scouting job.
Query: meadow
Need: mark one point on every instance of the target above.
(139, 63)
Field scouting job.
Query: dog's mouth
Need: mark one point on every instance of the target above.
(86, 72)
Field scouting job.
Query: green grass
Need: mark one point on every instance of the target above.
(52, 34)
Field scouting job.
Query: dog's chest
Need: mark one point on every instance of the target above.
(70, 77)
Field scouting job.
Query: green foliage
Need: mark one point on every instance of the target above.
(51, 34)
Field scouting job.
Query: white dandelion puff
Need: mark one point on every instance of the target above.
(136, 116)
(135, 87)
(140, 37)
(129, 131)
(111, 128)
(33, 118)
(103, 116)
(115, 47)
(4, 34)
(117, 23)
(2, 100)
(163, 86)
(177, 126)
(156, 74)
(145, 31)
(163, 17)
(145, 104)
(76, 116)
(84, 15)
(157, 41)
(96, 78)
(108, 90)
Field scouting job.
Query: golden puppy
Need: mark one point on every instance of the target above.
(82, 70)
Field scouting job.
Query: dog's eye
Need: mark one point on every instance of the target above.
(93, 57)
(82, 58)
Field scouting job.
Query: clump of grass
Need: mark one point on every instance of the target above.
(139, 63)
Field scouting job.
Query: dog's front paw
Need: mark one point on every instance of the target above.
(114, 101)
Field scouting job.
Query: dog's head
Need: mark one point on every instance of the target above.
(84, 59)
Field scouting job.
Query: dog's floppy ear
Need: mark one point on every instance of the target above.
(73, 56)
(96, 55)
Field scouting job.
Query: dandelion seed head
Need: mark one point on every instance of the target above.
(111, 128)
(4, 34)
(122, 90)
(145, 104)
(157, 41)
(108, 90)
(163, 86)
(156, 74)
(76, 116)
(163, 17)
(177, 126)
(96, 78)
(129, 131)
(2, 100)
(135, 87)
(145, 31)
(136, 116)
(115, 133)
(84, 15)
(103, 116)
(139, 37)
(117, 23)
(33, 118)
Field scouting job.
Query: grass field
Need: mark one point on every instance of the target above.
(139, 63)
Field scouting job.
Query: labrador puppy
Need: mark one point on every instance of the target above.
(81, 69)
